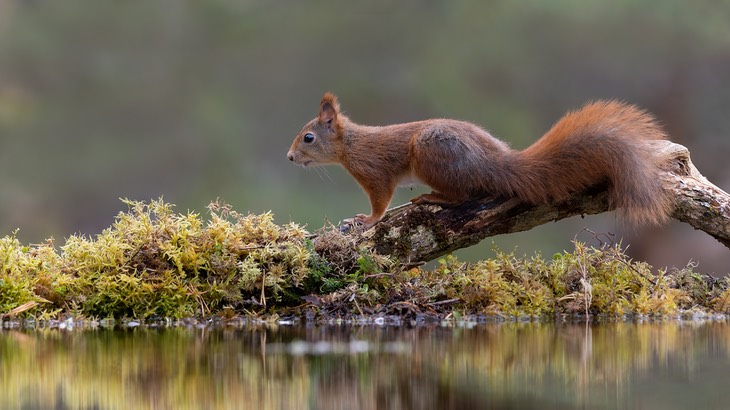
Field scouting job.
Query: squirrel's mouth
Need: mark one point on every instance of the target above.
(297, 159)
(305, 162)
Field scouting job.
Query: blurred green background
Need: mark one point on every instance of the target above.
(195, 100)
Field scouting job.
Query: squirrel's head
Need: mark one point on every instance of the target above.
(320, 141)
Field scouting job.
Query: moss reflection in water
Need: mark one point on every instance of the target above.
(520, 364)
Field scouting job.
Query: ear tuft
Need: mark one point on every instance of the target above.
(329, 109)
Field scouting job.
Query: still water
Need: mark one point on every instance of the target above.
(681, 365)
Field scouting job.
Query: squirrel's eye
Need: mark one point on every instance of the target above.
(308, 137)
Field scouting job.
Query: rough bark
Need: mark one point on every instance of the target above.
(415, 234)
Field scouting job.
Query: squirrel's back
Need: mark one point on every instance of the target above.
(603, 141)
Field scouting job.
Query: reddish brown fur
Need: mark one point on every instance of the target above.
(602, 142)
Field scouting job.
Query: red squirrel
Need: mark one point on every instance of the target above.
(602, 142)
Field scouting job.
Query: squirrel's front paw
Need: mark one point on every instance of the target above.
(366, 221)
(360, 220)
(351, 223)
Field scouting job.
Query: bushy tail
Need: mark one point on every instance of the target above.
(604, 141)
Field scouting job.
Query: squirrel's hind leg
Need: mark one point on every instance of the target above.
(437, 198)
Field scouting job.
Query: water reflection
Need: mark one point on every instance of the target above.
(509, 365)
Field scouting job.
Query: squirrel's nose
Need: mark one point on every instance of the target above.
(290, 156)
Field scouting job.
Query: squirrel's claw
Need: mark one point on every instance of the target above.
(361, 221)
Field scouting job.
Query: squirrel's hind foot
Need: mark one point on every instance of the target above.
(437, 198)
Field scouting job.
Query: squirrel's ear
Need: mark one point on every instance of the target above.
(329, 108)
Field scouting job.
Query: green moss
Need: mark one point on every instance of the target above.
(504, 286)
(25, 272)
(153, 262)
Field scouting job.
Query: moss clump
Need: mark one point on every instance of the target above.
(502, 286)
(153, 262)
(24, 273)
(592, 281)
